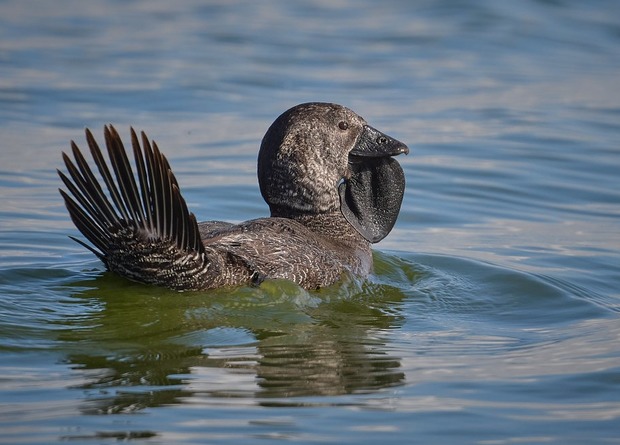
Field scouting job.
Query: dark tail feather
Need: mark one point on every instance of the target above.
(148, 202)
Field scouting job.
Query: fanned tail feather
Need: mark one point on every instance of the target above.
(140, 218)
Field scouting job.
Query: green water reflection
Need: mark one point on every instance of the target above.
(144, 345)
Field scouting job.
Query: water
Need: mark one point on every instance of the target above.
(493, 313)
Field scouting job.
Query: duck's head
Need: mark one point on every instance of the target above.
(321, 158)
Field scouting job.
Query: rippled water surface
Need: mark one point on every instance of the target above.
(493, 313)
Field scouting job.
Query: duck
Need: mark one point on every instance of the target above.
(330, 180)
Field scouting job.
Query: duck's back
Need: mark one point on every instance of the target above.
(280, 248)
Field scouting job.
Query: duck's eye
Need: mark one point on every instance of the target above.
(343, 125)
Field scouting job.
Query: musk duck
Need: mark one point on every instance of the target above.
(329, 178)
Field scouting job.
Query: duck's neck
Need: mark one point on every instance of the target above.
(334, 226)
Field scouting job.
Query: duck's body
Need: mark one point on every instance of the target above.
(327, 176)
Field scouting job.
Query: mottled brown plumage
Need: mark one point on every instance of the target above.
(329, 179)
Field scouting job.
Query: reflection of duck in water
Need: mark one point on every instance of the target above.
(328, 177)
(267, 342)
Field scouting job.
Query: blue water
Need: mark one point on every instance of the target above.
(493, 315)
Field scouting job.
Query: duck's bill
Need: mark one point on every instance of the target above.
(370, 199)
(374, 143)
